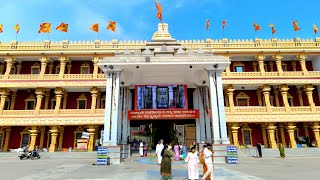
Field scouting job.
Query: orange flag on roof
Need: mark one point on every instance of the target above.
(112, 26)
(17, 28)
(295, 26)
(256, 27)
(63, 27)
(159, 8)
(273, 30)
(1, 28)
(207, 24)
(224, 23)
(95, 27)
(44, 28)
(315, 28)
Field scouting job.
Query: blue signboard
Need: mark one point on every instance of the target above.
(102, 155)
(232, 155)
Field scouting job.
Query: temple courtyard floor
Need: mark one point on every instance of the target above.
(71, 166)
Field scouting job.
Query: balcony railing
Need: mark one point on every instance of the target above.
(273, 110)
(287, 74)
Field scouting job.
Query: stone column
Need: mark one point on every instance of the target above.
(13, 100)
(316, 130)
(3, 96)
(278, 58)
(69, 66)
(264, 135)
(230, 91)
(91, 131)
(33, 135)
(50, 67)
(44, 61)
(271, 130)
(276, 95)
(214, 108)
(63, 62)
(7, 139)
(294, 65)
(284, 92)
(308, 88)
(234, 128)
(39, 92)
(196, 106)
(42, 133)
(10, 61)
(94, 93)
(46, 99)
(54, 135)
(125, 115)
(306, 129)
(95, 61)
(283, 139)
(260, 59)
(61, 129)
(266, 94)
(302, 59)
(65, 98)
(59, 92)
(290, 129)
(259, 96)
(300, 95)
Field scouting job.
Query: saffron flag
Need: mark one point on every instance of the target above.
(273, 30)
(1, 28)
(95, 27)
(207, 24)
(44, 28)
(159, 8)
(17, 28)
(224, 23)
(112, 26)
(256, 27)
(63, 27)
(315, 28)
(295, 25)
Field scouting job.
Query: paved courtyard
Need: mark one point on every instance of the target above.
(68, 166)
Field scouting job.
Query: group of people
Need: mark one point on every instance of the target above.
(143, 148)
(164, 154)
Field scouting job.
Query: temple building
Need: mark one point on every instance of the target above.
(240, 92)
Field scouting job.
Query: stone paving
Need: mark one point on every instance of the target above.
(65, 167)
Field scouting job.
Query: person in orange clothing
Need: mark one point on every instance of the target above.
(202, 157)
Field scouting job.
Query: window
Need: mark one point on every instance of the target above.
(85, 68)
(246, 135)
(30, 102)
(242, 99)
(35, 69)
(77, 136)
(238, 69)
(82, 102)
(30, 105)
(243, 102)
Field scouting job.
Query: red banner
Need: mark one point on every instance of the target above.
(163, 114)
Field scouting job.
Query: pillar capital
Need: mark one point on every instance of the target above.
(59, 91)
(94, 90)
(230, 89)
(40, 91)
(260, 57)
(277, 57)
(301, 57)
(265, 88)
(271, 127)
(10, 60)
(4, 92)
(44, 60)
(227, 57)
(63, 59)
(235, 126)
(283, 88)
(96, 59)
(291, 126)
(308, 88)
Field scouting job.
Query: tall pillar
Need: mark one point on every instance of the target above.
(276, 95)
(61, 129)
(284, 92)
(260, 59)
(111, 109)
(33, 135)
(283, 139)
(3, 96)
(300, 95)
(230, 133)
(214, 108)
(124, 118)
(264, 135)
(59, 92)
(13, 100)
(266, 94)
(54, 134)
(259, 96)
(7, 139)
(46, 99)
(19, 66)
(94, 93)
(271, 130)
(39, 92)
(302, 60)
(120, 118)
(10, 61)
(202, 121)
(278, 58)
(230, 91)
(234, 128)
(206, 113)
(315, 129)
(44, 61)
(42, 133)
(196, 106)
(63, 62)
(95, 61)
(306, 129)
(222, 117)
(290, 129)
(308, 88)
(91, 131)
(65, 98)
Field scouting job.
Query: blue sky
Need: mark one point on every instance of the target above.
(137, 18)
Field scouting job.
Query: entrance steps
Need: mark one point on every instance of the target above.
(289, 152)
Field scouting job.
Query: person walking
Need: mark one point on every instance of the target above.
(159, 149)
(145, 149)
(184, 153)
(165, 169)
(193, 167)
(208, 161)
(176, 152)
(202, 161)
(281, 149)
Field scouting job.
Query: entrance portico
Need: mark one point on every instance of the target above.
(164, 62)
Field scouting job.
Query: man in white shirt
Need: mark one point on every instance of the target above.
(208, 161)
(159, 149)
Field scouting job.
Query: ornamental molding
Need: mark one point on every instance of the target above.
(273, 118)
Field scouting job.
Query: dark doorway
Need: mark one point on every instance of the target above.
(162, 130)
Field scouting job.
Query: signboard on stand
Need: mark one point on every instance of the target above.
(102, 155)
(232, 155)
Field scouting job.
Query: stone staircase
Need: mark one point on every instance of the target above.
(299, 152)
